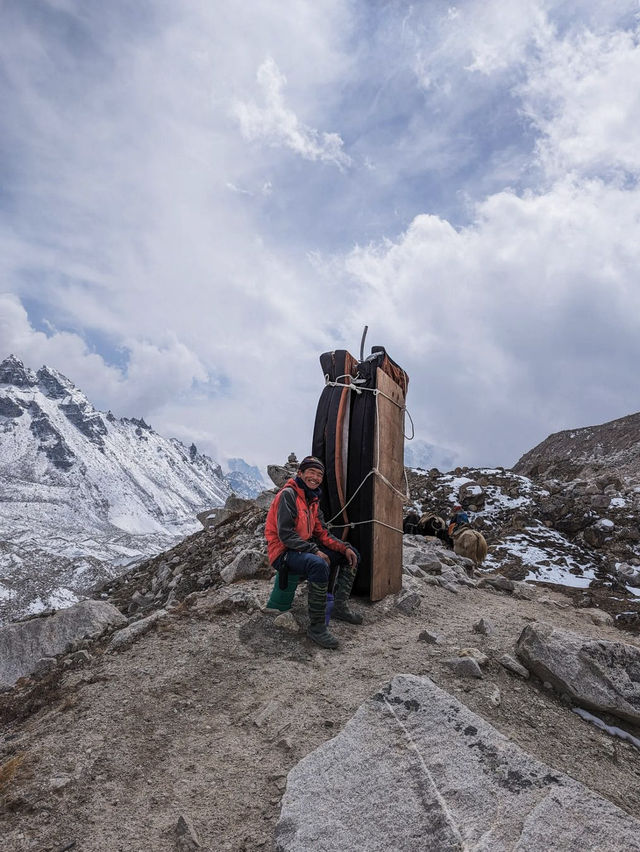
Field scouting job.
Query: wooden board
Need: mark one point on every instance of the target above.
(386, 563)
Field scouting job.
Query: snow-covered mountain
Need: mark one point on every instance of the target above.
(421, 454)
(245, 479)
(83, 493)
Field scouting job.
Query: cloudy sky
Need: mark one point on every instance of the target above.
(197, 199)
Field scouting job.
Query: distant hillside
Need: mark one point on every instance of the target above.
(421, 454)
(585, 452)
(244, 479)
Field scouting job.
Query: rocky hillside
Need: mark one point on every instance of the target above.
(176, 713)
(83, 493)
(587, 453)
(592, 477)
(578, 533)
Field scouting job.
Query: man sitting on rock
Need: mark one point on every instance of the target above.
(299, 545)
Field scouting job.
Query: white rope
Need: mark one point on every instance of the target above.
(342, 508)
(405, 497)
(351, 385)
(354, 387)
(372, 521)
(375, 470)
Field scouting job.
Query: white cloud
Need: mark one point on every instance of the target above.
(122, 225)
(509, 326)
(582, 94)
(153, 376)
(500, 34)
(65, 351)
(279, 125)
(142, 216)
(484, 38)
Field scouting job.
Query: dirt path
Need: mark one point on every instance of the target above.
(204, 716)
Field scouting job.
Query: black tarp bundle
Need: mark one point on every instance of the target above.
(343, 438)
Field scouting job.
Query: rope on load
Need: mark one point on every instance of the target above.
(375, 470)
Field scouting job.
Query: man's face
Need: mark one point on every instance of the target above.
(312, 477)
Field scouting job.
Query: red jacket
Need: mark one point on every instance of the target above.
(294, 524)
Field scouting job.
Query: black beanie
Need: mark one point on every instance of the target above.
(310, 461)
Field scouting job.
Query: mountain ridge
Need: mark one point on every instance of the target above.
(83, 493)
(572, 453)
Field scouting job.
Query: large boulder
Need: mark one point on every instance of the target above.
(133, 631)
(248, 563)
(597, 674)
(234, 505)
(238, 504)
(629, 574)
(265, 498)
(209, 516)
(471, 496)
(279, 474)
(416, 769)
(24, 643)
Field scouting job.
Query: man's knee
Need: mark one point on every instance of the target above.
(318, 569)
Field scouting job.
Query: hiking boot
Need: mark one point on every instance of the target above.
(341, 609)
(321, 636)
(343, 612)
(317, 631)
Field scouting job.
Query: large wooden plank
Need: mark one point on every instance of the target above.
(386, 564)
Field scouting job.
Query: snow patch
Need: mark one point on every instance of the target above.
(610, 729)
(134, 521)
(6, 594)
(60, 599)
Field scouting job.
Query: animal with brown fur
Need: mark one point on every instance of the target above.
(470, 543)
(432, 524)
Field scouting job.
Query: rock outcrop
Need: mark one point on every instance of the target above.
(416, 769)
(13, 372)
(586, 453)
(599, 675)
(25, 643)
(280, 473)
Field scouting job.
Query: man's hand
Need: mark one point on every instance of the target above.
(352, 559)
(324, 556)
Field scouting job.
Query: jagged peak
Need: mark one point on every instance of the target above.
(14, 372)
(137, 422)
(55, 384)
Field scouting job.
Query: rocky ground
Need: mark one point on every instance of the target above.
(186, 736)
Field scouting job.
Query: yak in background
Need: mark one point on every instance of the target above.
(470, 543)
(465, 541)
(427, 524)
